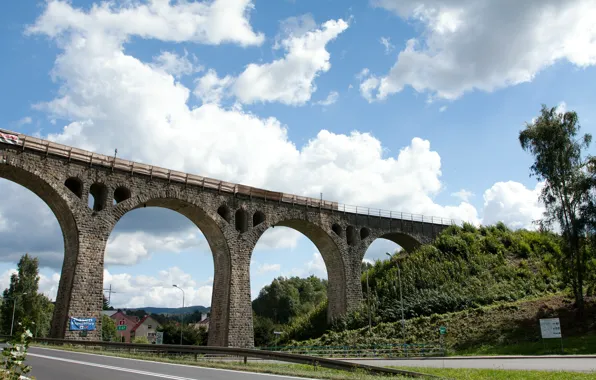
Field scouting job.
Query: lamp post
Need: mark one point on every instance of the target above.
(401, 300)
(14, 304)
(182, 315)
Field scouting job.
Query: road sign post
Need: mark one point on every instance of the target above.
(550, 328)
(442, 331)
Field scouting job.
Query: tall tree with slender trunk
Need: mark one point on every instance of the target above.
(554, 141)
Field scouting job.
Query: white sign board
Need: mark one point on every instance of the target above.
(550, 328)
(159, 337)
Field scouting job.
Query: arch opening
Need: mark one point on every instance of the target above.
(241, 220)
(257, 218)
(364, 233)
(351, 235)
(121, 194)
(99, 193)
(224, 212)
(55, 245)
(336, 228)
(75, 185)
(144, 239)
(296, 269)
(388, 245)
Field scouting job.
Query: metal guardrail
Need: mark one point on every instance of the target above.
(240, 352)
(51, 148)
(378, 351)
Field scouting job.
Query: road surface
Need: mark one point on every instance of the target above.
(50, 364)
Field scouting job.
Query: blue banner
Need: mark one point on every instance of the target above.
(82, 324)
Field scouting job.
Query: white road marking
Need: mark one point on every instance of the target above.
(139, 372)
(164, 363)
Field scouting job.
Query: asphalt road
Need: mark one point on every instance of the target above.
(49, 364)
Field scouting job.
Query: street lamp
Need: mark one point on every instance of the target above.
(14, 304)
(401, 300)
(182, 315)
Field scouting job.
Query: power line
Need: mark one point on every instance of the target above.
(110, 291)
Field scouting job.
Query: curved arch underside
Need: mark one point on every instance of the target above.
(68, 227)
(334, 264)
(220, 297)
(407, 242)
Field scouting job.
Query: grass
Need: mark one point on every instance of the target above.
(575, 345)
(498, 374)
(301, 370)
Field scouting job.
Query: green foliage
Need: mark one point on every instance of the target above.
(190, 335)
(43, 319)
(553, 140)
(286, 298)
(466, 267)
(22, 295)
(15, 353)
(140, 340)
(108, 329)
(500, 324)
(293, 306)
(313, 323)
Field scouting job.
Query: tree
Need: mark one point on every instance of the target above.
(553, 140)
(106, 304)
(108, 329)
(23, 290)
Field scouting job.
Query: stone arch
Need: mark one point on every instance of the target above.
(121, 194)
(332, 256)
(99, 191)
(241, 220)
(75, 185)
(60, 204)
(225, 213)
(257, 218)
(212, 230)
(406, 241)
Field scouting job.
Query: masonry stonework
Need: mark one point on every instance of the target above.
(231, 223)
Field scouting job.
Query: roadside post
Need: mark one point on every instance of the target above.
(550, 328)
(442, 332)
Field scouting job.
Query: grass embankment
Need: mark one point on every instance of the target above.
(507, 329)
(307, 371)
(499, 374)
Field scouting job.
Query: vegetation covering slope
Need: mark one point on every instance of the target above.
(466, 267)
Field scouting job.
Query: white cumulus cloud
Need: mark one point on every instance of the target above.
(513, 204)
(484, 44)
(288, 80)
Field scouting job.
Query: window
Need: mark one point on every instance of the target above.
(149, 327)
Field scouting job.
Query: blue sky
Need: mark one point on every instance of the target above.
(410, 105)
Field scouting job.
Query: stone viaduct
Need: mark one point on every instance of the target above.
(232, 218)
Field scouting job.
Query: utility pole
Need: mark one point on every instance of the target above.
(369, 316)
(110, 291)
(182, 314)
(401, 299)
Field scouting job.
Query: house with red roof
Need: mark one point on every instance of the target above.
(128, 321)
(146, 327)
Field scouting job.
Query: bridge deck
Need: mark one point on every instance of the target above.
(47, 147)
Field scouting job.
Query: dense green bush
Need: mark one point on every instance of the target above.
(466, 267)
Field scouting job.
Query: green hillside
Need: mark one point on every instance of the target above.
(465, 268)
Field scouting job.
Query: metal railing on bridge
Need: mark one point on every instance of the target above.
(112, 162)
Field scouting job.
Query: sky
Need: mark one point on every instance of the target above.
(405, 105)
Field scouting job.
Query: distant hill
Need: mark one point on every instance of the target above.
(172, 310)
